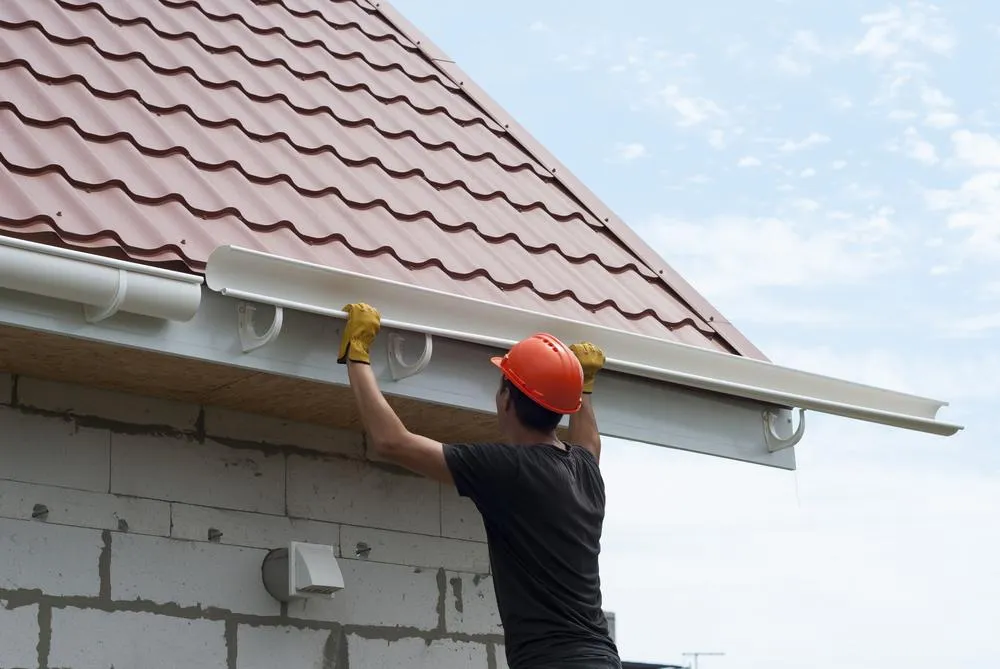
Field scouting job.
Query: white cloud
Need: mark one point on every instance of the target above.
(807, 173)
(805, 204)
(891, 33)
(842, 102)
(976, 149)
(802, 50)
(626, 152)
(838, 164)
(688, 110)
(915, 147)
(974, 208)
(980, 325)
(813, 139)
(942, 119)
(749, 161)
(735, 255)
(538, 27)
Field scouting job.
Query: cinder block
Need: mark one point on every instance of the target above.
(460, 519)
(250, 529)
(58, 560)
(417, 550)
(189, 574)
(79, 400)
(210, 474)
(377, 594)
(53, 451)
(500, 654)
(471, 605)
(255, 428)
(6, 388)
(272, 647)
(18, 636)
(89, 639)
(81, 508)
(359, 493)
(416, 653)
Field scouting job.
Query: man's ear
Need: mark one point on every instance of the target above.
(505, 399)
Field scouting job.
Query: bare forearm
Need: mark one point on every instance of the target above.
(583, 428)
(381, 424)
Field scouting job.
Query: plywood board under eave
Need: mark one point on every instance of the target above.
(60, 358)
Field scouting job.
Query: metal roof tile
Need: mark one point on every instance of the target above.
(315, 130)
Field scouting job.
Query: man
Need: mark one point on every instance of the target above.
(542, 500)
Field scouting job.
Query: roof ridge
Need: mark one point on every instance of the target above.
(625, 236)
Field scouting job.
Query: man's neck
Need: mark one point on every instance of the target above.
(534, 438)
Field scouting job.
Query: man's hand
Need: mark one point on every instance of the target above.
(583, 424)
(592, 360)
(363, 323)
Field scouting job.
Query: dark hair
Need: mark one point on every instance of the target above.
(529, 413)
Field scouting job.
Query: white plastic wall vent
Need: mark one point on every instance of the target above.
(301, 570)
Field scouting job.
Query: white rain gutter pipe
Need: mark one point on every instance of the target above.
(268, 279)
(104, 286)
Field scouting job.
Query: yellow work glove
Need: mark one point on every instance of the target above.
(591, 359)
(363, 322)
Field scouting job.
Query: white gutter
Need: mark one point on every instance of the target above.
(268, 279)
(104, 286)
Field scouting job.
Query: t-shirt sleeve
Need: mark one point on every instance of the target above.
(485, 473)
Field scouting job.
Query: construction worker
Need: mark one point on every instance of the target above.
(541, 500)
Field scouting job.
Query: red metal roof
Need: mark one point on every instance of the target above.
(318, 130)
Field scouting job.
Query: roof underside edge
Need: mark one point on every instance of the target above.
(587, 198)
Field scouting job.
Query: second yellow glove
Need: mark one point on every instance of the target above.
(591, 359)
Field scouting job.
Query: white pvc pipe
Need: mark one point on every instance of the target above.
(98, 282)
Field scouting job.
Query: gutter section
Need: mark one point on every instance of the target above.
(104, 286)
(269, 279)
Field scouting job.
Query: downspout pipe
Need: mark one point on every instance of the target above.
(104, 286)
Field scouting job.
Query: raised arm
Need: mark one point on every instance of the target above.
(386, 434)
(583, 424)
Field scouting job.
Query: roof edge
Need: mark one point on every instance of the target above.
(628, 237)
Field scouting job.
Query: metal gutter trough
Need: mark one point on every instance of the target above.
(291, 284)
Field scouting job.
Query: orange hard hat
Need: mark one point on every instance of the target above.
(546, 370)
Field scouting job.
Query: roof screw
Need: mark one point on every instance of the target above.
(214, 534)
(40, 512)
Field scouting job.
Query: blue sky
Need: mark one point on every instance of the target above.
(828, 174)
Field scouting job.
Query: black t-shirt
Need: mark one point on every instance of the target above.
(543, 510)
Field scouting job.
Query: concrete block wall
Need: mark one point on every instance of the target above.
(132, 532)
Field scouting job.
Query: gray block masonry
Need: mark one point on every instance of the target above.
(132, 532)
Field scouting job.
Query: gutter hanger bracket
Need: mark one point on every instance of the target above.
(249, 339)
(399, 369)
(776, 443)
(97, 314)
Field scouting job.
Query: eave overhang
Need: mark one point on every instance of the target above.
(262, 336)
